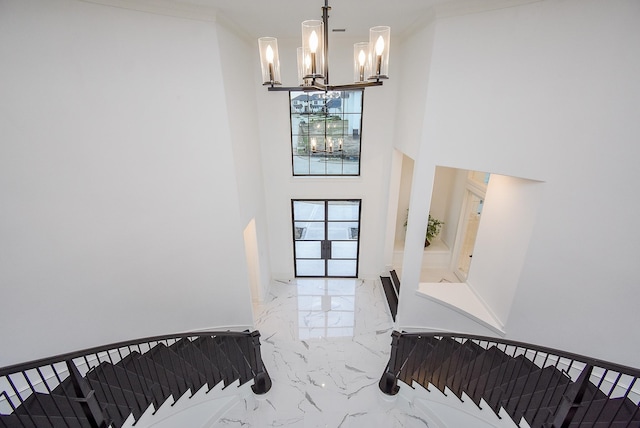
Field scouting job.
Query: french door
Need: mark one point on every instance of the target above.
(326, 237)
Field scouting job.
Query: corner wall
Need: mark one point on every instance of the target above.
(547, 91)
(120, 213)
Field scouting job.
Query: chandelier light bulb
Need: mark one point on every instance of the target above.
(362, 57)
(379, 46)
(313, 42)
(269, 54)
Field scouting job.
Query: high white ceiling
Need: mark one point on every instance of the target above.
(282, 18)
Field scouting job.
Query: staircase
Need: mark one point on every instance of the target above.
(104, 387)
(391, 287)
(534, 385)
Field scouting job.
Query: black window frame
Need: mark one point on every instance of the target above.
(348, 135)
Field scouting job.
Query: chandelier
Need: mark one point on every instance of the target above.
(370, 59)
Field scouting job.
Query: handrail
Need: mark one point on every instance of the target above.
(548, 387)
(557, 352)
(103, 385)
(104, 348)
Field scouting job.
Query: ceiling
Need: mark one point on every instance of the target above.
(282, 18)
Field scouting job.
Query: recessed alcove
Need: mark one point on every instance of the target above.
(503, 209)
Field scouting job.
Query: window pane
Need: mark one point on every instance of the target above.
(326, 127)
(309, 231)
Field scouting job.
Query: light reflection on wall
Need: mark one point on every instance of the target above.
(326, 308)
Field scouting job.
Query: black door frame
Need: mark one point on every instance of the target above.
(325, 244)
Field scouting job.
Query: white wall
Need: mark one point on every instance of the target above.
(120, 213)
(371, 186)
(548, 91)
(237, 57)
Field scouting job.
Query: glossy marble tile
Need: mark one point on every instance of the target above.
(325, 343)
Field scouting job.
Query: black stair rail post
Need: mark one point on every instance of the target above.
(572, 399)
(262, 380)
(86, 397)
(389, 382)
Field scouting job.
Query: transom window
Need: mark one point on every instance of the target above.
(325, 132)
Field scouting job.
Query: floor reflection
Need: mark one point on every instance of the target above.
(326, 308)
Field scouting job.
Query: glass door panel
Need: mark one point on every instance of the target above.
(344, 249)
(326, 237)
(343, 210)
(309, 249)
(342, 268)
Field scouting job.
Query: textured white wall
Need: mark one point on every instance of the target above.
(119, 210)
(549, 91)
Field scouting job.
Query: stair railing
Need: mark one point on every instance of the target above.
(102, 386)
(575, 391)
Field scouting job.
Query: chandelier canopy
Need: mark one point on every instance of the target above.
(370, 59)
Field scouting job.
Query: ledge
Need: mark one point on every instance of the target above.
(462, 299)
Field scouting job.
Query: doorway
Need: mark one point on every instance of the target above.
(326, 237)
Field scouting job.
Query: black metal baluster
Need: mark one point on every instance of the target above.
(55, 402)
(15, 390)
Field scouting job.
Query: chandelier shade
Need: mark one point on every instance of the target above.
(370, 59)
(313, 48)
(361, 62)
(379, 38)
(269, 60)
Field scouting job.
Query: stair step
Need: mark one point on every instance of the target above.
(415, 351)
(616, 409)
(193, 354)
(390, 294)
(115, 412)
(159, 381)
(167, 358)
(54, 405)
(509, 370)
(40, 421)
(482, 364)
(133, 402)
(434, 361)
(396, 281)
(543, 389)
(452, 365)
(222, 357)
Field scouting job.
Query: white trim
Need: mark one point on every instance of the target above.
(454, 302)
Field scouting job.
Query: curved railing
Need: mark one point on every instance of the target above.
(547, 387)
(103, 386)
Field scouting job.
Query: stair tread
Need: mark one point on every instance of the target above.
(166, 357)
(40, 421)
(483, 363)
(219, 353)
(435, 360)
(390, 294)
(198, 359)
(162, 383)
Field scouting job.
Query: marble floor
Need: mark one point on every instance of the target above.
(325, 343)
